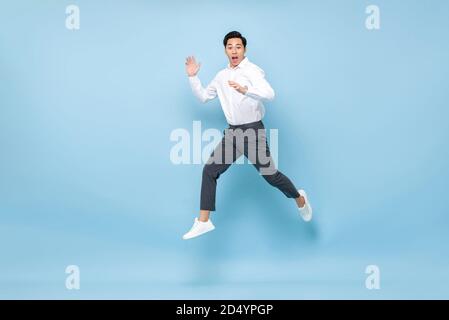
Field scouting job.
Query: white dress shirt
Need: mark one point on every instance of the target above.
(238, 108)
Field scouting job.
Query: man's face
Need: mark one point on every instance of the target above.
(235, 51)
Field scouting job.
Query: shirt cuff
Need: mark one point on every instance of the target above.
(250, 93)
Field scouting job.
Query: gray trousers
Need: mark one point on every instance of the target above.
(249, 139)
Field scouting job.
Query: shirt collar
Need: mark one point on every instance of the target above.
(241, 64)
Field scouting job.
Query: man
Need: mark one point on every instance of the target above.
(241, 88)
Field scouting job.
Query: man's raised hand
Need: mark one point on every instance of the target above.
(192, 67)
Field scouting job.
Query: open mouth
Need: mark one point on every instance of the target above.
(235, 59)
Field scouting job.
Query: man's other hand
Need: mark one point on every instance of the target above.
(192, 67)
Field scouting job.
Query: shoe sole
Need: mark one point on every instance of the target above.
(307, 203)
(199, 234)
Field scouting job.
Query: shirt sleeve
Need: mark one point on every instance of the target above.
(203, 94)
(259, 89)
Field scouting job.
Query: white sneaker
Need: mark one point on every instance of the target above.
(306, 210)
(199, 228)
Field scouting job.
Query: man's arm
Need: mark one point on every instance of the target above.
(203, 94)
(259, 89)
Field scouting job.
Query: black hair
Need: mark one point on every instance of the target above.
(234, 34)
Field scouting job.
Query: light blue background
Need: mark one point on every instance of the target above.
(86, 177)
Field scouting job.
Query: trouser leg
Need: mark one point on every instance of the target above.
(256, 149)
(223, 156)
